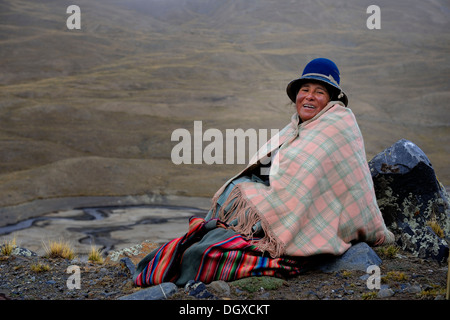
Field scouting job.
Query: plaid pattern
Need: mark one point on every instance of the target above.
(207, 254)
(321, 194)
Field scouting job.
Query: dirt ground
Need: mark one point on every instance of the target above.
(403, 277)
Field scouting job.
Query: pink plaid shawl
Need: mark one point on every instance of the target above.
(321, 194)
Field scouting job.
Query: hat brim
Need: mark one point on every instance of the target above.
(293, 87)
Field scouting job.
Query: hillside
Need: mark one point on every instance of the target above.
(90, 112)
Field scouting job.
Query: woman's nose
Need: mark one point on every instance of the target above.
(309, 96)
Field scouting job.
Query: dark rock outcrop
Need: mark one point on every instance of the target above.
(414, 204)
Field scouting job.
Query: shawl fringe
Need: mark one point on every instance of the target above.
(247, 216)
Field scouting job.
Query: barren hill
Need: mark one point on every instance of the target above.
(91, 111)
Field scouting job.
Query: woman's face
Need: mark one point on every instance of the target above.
(311, 99)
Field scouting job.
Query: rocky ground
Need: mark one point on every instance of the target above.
(403, 277)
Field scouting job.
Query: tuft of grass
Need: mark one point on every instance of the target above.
(369, 295)
(346, 273)
(59, 249)
(394, 276)
(388, 252)
(436, 228)
(40, 267)
(432, 292)
(8, 246)
(95, 255)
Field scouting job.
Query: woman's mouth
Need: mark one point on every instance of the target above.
(309, 106)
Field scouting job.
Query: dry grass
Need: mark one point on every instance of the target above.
(388, 252)
(436, 228)
(394, 276)
(59, 249)
(8, 246)
(434, 291)
(95, 255)
(369, 295)
(40, 267)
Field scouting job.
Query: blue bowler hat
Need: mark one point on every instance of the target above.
(322, 70)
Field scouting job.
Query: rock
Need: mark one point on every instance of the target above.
(21, 252)
(3, 296)
(359, 257)
(314, 295)
(412, 199)
(413, 289)
(135, 253)
(197, 289)
(385, 293)
(221, 288)
(127, 263)
(158, 292)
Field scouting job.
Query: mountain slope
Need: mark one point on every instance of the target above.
(114, 91)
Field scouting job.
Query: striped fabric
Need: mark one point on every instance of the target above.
(321, 195)
(208, 252)
(164, 262)
(235, 258)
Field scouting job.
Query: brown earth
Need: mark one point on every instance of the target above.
(409, 278)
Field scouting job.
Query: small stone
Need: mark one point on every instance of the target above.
(191, 284)
(221, 288)
(157, 292)
(413, 289)
(364, 277)
(385, 293)
(127, 263)
(135, 253)
(23, 252)
(349, 292)
(265, 295)
(312, 295)
(197, 289)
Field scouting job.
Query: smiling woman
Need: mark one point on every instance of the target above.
(321, 74)
(317, 197)
(311, 99)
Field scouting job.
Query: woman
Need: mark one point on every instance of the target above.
(318, 197)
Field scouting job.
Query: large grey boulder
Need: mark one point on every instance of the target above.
(412, 200)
